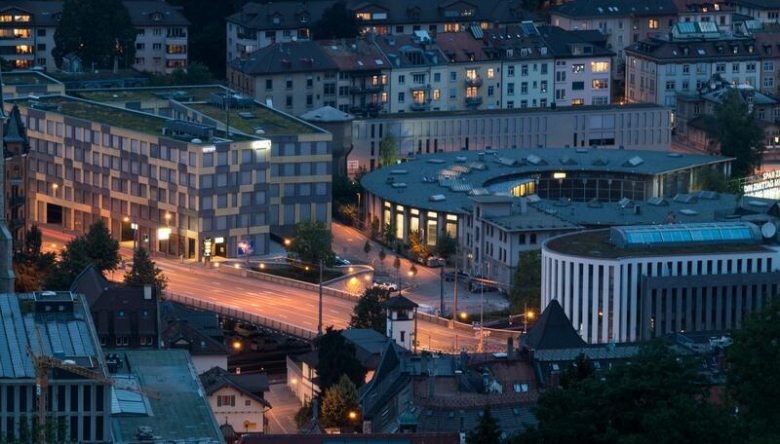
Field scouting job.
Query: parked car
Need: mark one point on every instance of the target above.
(479, 288)
(341, 262)
(389, 286)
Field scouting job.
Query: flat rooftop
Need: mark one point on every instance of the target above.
(597, 244)
(245, 119)
(182, 413)
(27, 78)
(447, 181)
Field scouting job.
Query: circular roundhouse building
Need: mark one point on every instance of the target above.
(448, 191)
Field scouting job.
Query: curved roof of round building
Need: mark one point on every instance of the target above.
(447, 181)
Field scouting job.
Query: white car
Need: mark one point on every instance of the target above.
(389, 286)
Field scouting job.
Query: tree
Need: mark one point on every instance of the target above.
(487, 430)
(752, 378)
(446, 245)
(739, 134)
(660, 396)
(397, 266)
(338, 401)
(710, 179)
(31, 265)
(96, 247)
(527, 286)
(369, 312)
(418, 247)
(389, 232)
(336, 357)
(98, 31)
(145, 272)
(367, 248)
(101, 248)
(388, 151)
(350, 213)
(312, 242)
(207, 45)
(337, 22)
(382, 255)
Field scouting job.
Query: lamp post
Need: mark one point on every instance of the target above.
(526, 315)
(134, 227)
(319, 322)
(168, 224)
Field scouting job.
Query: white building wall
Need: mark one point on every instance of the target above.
(243, 412)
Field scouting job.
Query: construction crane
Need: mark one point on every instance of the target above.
(45, 363)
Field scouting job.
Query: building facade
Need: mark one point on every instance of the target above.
(27, 30)
(647, 281)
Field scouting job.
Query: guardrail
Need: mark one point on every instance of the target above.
(308, 334)
(242, 315)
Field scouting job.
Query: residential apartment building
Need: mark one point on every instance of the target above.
(622, 22)
(686, 59)
(764, 11)
(419, 76)
(471, 70)
(27, 35)
(258, 25)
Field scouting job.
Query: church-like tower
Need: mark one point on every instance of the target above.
(401, 322)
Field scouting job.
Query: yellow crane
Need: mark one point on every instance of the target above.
(45, 363)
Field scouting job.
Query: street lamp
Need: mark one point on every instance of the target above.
(134, 227)
(526, 315)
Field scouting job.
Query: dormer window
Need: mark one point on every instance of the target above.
(156, 16)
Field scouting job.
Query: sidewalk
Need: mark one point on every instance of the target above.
(284, 406)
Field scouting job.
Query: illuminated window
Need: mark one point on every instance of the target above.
(575, 102)
(451, 27)
(471, 74)
(419, 96)
(600, 84)
(578, 68)
(436, 94)
(599, 66)
(363, 16)
(491, 73)
(652, 23)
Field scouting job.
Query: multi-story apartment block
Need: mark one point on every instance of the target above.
(582, 69)
(764, 11)
(475, 69)
(473, 75)
(720, 13)
(302, 72)
(259, 25)
(420, 78)
(193, 188)
(687, 58)
(361, 85)
(27, 35)
(623, 22)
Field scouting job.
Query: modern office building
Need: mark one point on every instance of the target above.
(189, 187)
(27, 29)
(635, 283)
(630, 126)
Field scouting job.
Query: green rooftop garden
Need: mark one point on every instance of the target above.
(596, 244)
(25, 78)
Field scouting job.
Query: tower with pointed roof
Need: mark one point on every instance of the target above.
(401, 323)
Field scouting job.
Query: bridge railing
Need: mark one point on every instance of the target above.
(287, 282)
(242, 315)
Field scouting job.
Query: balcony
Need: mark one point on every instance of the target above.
(476, 81)
(369, 109)
(420, 106)
(366, 89)
(473, 102)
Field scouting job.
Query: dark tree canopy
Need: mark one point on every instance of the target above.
(339, 400)
(145, 272)
(96, 247)
(753, 379)
(526, 291)
(388, 151)
(312, 242)
(487, 430)
(739, 134)
(369, 312)
(207, 31)
(31, 265)
(337, 22)
(98, 31)
(660, 397)
(336, 358)
(446, 245)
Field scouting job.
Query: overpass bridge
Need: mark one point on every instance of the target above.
(496, 336)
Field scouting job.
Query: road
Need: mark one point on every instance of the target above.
(294, 306)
